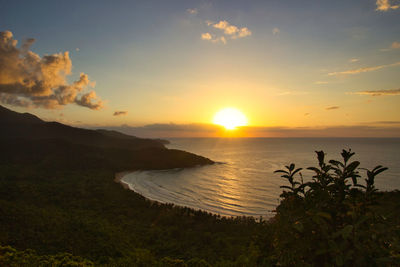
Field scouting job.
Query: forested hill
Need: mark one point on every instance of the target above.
(25, 138)
(28, 126)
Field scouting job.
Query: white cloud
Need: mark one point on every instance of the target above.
(352, 60)
(275, 31)
(385, 5)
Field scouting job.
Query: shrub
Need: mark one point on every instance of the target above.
(331, 220)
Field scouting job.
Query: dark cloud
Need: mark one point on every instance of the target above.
(119, 113)
(28, 80)
(332, 108)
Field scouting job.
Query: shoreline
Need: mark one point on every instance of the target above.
(118, 179)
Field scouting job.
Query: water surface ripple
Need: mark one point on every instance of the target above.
(245, 183)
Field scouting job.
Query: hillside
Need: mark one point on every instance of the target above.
(28, 126)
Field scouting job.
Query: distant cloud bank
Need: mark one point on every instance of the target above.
(28, 80)
(371, 129)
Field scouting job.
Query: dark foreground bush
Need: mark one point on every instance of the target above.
(332, 220)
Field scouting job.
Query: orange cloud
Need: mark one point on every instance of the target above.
(28, 80)
(385, 5)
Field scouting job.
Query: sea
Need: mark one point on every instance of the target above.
(243, 182)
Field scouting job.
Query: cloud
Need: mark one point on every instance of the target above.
(275, 31)
(385, 5)
(395, 45)
(352, 60)
(206, 36)
(321, 82)
(119, 113)
(232, 30)
(226, 27)
(361, 70)
(192, 11)
(389, 92)
(28, 80)
(228, 30)
(332, 108)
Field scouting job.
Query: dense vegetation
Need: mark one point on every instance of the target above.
(77, 216)
(59, 204)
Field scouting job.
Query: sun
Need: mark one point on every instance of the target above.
(230, 118)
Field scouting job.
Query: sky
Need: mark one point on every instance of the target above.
(165, 68)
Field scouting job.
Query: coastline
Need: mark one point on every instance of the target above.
(118, 179)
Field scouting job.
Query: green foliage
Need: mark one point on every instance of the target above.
(331, 220)
(85, 213)
(12, 257)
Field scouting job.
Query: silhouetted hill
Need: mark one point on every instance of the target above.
(11, 117)
(57, 154)
(26, 139)
(28, 126)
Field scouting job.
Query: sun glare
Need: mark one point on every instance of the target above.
(230, 118)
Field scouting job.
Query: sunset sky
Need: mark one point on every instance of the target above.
(165, 68)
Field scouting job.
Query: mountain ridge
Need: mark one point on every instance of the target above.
(29, 126)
